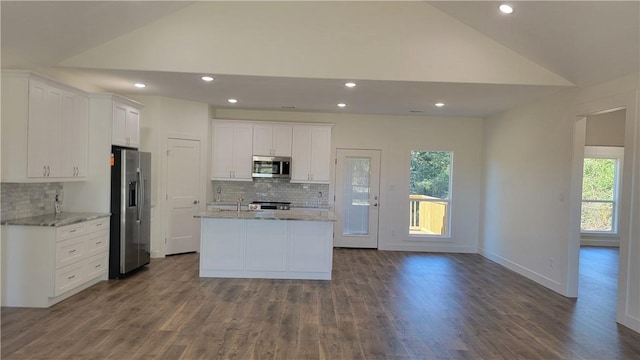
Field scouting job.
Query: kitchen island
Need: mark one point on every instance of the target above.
(269, 244)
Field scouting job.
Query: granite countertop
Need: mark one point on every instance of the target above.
(56, 220)
(312, 215)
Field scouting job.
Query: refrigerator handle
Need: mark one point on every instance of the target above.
(140, 192)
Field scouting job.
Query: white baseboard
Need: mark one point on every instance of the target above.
(599, 242)
(526, 272)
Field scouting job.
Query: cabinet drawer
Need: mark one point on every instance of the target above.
(70, 251)
(97, 242)
(69, 277)
(96, 266)
(98, 225)
(71, 231)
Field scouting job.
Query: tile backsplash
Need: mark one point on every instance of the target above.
(304, 195)
(24, 200)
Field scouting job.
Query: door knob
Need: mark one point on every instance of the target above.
(376, 204)
(195, 202)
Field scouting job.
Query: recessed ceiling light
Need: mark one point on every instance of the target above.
(341, 105)
(350, 84)
(507, 9)
(439, 104)
(207, 78)
(233, 101)
(140, 85)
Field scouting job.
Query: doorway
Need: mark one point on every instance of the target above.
(183, 186)
(357, 198)
(623, 101)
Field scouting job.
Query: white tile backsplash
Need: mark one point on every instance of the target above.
(24, 200)
(304, 195)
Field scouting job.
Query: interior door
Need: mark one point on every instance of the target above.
(357, 198)
(183, 186)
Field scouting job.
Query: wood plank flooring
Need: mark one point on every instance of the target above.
(379, 305)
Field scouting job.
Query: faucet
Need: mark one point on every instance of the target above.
(239, 203)
(319, 198)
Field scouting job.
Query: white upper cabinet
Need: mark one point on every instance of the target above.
(45, 130)
(126, 125)
(232, 151)
(311, 154)
(272, 140)
(75, 135)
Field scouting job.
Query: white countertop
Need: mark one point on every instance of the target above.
(55, 220)
(301, 215)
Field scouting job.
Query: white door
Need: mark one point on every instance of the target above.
(183, 186)
(357, 198)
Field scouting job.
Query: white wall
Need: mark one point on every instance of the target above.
(527, 157)
(162, 118)
(530, 204)
(396, 136)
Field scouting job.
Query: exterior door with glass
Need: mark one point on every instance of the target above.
(357, 198)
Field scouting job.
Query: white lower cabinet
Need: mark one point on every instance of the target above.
(272, 249)
(45, 265)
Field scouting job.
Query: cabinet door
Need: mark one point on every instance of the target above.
(222, 167)
(263, 140)
(242, 151)
(38, 128)
(44, 141)
(132, 127)
(222, 244)
(67, 165)
(75, 135)
(119, 130)
(300, 154)
(266, 248)
(80, 152)
(320, 154)
(311, 248)
(281, 140)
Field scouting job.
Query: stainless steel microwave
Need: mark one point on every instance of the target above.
(271, 167)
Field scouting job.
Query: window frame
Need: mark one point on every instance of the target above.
(605, 152)
(449, 201)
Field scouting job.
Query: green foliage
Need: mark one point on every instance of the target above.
(430, 172)
(598, 179)
(598, 183)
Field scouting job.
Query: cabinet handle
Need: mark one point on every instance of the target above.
(48, 171)
(71, 277)
(99, 224)
(99, 242)
(72, 231)
(97, 266)
(72, 251)
(44, 170)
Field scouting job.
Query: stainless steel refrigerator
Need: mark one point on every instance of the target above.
(130, 243)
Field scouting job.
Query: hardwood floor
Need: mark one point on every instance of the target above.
(380, 305)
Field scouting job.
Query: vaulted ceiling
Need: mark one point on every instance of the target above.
(404, 56)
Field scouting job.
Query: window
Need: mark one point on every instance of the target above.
(600, 188)
(430, 193)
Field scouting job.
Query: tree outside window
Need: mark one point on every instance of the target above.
(600, 183)
(429, 193)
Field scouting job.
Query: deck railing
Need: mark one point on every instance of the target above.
(428, 215)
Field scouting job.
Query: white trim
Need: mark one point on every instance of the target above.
(629, 101)
(164, 212)
(526, 272)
